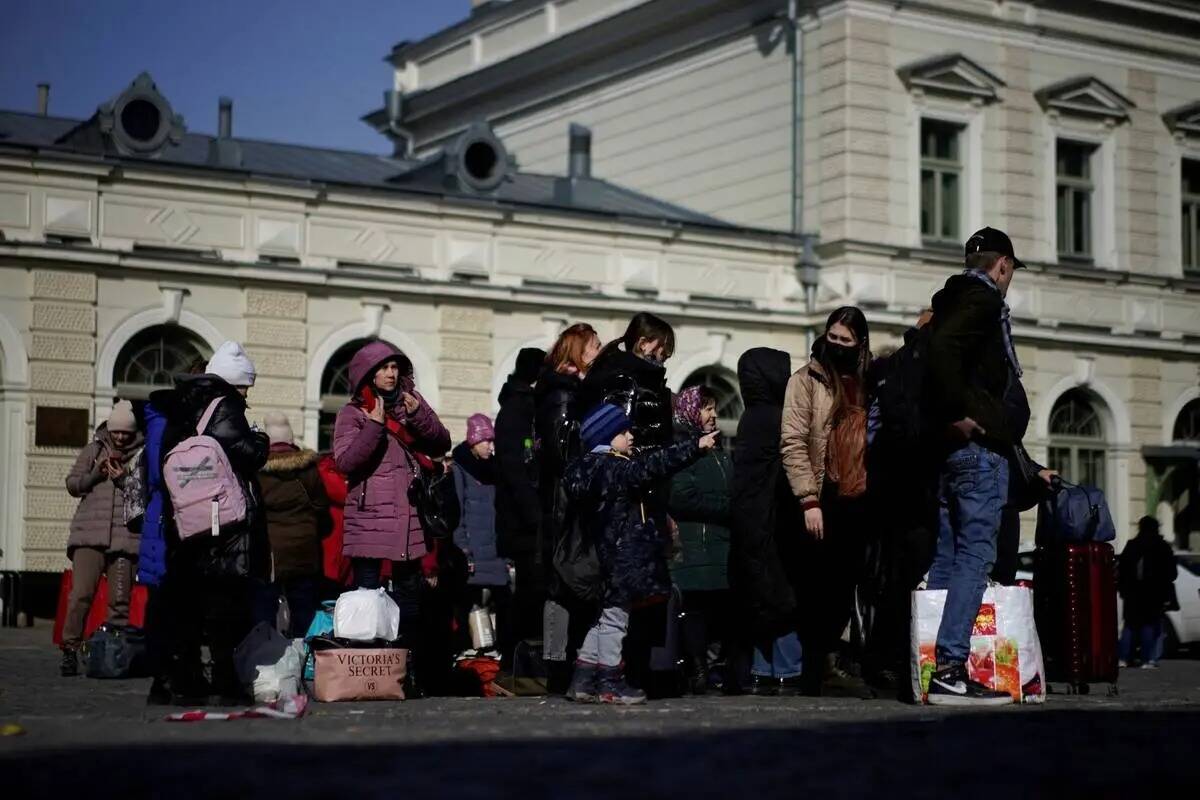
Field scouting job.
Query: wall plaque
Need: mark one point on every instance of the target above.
(60, 427)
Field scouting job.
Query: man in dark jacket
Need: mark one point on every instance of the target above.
(518, 507)
(977, 415)
(1146, 572)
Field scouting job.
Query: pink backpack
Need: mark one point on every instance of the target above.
(204, 490)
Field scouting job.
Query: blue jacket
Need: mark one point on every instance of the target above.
(476, 531)
(152, 555)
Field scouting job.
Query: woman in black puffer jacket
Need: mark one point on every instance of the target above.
(630, 374)
(556, 426)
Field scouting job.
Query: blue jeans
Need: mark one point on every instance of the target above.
(786, 658)
(974, 489)
(1149, 634)
(603, 643)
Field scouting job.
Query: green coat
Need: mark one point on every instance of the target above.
(700, 505)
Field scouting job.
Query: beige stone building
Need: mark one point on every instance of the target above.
(129, 248)
(755, 163)
(890, 130)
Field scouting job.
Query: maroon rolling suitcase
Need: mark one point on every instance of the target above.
(1075, 607)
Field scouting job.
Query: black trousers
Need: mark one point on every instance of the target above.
(833, 567)
(191, 608)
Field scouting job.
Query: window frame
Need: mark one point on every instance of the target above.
(940, 168)
(1067, 452)
(1075, 185)
(1189, 205)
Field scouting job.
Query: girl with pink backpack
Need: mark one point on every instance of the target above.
(210, 574)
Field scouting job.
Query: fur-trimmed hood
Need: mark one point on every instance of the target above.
(289, 461)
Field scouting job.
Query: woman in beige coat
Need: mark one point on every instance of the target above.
(99, 542)
(823, 445)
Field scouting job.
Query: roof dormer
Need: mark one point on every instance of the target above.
(953, 75)
(137, 122)
(1085, 96)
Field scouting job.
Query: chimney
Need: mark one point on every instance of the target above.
(225, 118)
(579, 157)
(43, 106)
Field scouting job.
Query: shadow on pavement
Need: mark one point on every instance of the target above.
(1050, 753)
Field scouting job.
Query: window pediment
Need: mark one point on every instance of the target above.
(953, 75)
(1185, 120)
(1086, 96)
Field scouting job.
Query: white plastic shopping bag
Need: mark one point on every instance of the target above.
(363, 615)
(268, 663)
(1006, 654)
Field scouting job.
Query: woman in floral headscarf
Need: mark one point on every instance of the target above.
(699, 504)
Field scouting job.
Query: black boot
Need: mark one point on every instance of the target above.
(69, 666)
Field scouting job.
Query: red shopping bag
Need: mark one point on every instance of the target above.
(99, 610)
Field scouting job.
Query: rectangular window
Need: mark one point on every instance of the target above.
(941, 181)
(1191, 216)
(1073, 204)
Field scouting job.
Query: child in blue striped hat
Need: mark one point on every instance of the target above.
(607, 485)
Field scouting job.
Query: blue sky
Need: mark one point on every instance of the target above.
(299, 71)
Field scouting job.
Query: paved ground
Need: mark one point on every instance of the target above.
(99, 739)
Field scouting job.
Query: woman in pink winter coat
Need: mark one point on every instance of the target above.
(381, 438)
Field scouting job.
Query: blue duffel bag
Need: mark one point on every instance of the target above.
(1074, 514)
(322, 625)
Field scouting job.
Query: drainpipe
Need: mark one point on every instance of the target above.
(393, 105)
(794, 41)
(43, 103)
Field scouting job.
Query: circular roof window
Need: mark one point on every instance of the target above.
(141, 119)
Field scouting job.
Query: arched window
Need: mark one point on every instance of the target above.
(1077, 440)
(152, 359)
(724, 385)
(335, 390)
(1187, 424)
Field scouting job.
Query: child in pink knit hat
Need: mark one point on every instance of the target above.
(480, 430)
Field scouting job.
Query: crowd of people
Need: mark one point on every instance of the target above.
(600, 517)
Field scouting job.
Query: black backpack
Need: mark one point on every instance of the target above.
(902, 423)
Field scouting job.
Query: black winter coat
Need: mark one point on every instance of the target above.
(609, 490)
(968, 370)
(1146, 573)
(518, 510)
(639, 388)
(557, 434)
(764, 551)
(242, 550)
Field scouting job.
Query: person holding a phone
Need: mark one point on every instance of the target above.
(385, 436)
(99, 543)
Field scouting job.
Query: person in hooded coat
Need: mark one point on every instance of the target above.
(216, 597)
(518, 509)
(764, 553)
(297, 512)
(99, 542)
(1146, 573)
(380, 439)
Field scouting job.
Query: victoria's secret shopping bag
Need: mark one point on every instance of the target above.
(363, 672)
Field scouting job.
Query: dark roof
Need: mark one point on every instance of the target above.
(316, 165)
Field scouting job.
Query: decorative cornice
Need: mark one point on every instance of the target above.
(1185, 120)
(951, 74)
(1085, 96)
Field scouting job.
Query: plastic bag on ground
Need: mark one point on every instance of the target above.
(268, 663)
(1006, 654)
(363, 615)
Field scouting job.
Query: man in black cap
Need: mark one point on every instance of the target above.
(978, 412)
(518, 508)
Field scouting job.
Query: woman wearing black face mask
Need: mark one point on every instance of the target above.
(823, 444)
